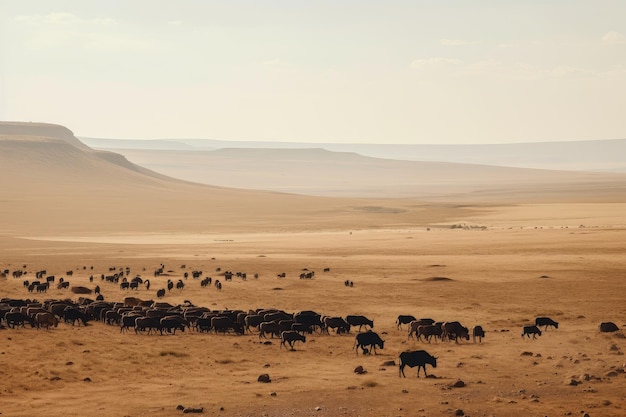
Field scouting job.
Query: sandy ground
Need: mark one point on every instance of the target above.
(493, 279)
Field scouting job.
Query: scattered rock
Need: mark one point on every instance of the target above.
(611, 374)
(607, 327)
(458, 384)
(359, 370)
(87, 379)
(318, 408)
(72, 363)
(459, 412)
(55, 378)
(180, 407)
(268, 342)
(267, 365)
(389, 363)
(265, 378)
(405, 391)
(614, 348)
(273, 394)
(193, 410)
(526, 354)
(572, 382)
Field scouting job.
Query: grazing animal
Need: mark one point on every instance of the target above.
(404, 319)
(546, 321)
(478, 332)
(150, 323)
(291, 337)
(415, 324)
(370, 339)
(14, 319)
(419, 358)
(46, 320)
(171, 324)
(160, 293)
(270, 327)
(359, 321)
(337, 323)
(72, 314)
(428, 331)
(534, 330)
(454, 330)
(180, 285)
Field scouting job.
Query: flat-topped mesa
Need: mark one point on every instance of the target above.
(15, 130)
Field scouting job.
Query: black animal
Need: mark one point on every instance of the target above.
(419, 358)
(291, 337)
(428, 331)
(478, 332)
(454, 330)
(370, 339)
(359, 321)
(171, 324)
(15, 319)
(161, 293)
(338, 323)
(72, 314)
(546, 321)
(404, 319)
(534, 330)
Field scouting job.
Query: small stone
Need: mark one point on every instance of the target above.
(273, 394)
(87, 379)
(572, 382)
(458, 384)
(318, 408)
(459, 412)
(180, 407)
(359, 370)
(265, 378)
(405, 391)
(69, 363)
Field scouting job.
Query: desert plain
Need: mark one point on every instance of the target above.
(499, 260)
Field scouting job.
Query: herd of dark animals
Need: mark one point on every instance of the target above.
(159, 317)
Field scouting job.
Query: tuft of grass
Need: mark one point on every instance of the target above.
(370, 383)
(173, 353)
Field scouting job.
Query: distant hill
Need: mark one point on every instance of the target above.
(54, 185)
(320, 172)
(596, 155)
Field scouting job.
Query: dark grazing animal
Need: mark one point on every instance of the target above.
(359, 321)
(534, 330)
(46, 320)
(415, 324)
(15, 319)
(404, 319)
(546, 321)
(160, 293)
(370, 339)
(291, 337)
(419, 358)
(428, 331)
(72, 314)
(336, 323)
(478, 332)
(454, 330)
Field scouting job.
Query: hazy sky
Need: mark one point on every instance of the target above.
(321, 71)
